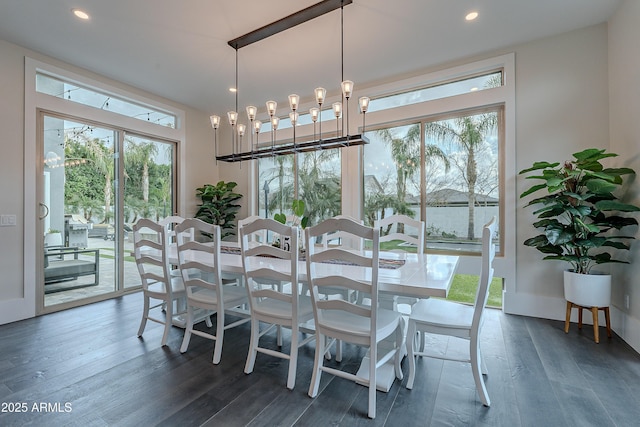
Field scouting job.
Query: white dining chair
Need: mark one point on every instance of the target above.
(264, 265)
(170, 222)
(338, 238)
(344, 320)
(260, 236)
(442, 317)
(206, 290)
(411, 232)
(150, 253)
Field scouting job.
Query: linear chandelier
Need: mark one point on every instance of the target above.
(238, 130)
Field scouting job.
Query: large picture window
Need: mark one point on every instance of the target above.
(314, 177)
(444, 171)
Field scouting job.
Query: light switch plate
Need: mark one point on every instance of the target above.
(7, 220)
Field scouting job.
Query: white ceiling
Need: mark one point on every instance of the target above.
(178, 49)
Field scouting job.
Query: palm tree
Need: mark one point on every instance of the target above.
(468, 133)
(142, 153)
(405, 152)
(102, 159)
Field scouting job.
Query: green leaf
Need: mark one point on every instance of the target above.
(538, 166)
(614, 205)
(533, 189)
(280, 217)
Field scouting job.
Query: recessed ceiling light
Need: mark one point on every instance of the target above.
(233, 89)
(80, 13)
(471, 16)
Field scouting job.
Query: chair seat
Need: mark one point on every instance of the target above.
(177, 286)
(233, 296)
(344, 322)
(442, 313)
(282, 310)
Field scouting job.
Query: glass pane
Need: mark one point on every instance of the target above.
(458, 87)
(148, 190)
(392, 173)
(276, 183)
(86, 96)
(79, 165)
(462, 178)
(319, 184)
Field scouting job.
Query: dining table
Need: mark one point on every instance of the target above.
(400, 274)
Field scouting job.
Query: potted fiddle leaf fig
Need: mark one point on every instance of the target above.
(577, 213)
(219, 205)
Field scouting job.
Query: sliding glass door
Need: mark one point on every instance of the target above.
(96, 182)
(81, 200)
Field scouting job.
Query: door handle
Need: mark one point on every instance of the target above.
(46, 211)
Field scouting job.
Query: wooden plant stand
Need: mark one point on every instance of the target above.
(594, 313)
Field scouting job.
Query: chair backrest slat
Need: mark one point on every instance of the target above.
(402, 221)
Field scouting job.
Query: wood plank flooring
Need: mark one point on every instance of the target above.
(86, 367)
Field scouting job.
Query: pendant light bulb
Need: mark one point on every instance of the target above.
(315, 113)
(251, 112)
(215, 121)
(320, 95)
(233, 117)
(347, 88)
(271, 108)
(337, 109)
(364, 104)
(293, 101)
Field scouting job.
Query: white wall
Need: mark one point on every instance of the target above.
(562, 108)
(196, 166)
(624, 133)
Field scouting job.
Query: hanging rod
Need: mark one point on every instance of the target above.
(287, 22)
(302, 147)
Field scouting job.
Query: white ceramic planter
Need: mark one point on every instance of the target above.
(588, 290)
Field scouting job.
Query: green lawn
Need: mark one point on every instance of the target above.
(463, 289)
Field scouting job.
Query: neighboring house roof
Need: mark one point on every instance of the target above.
(372, 183)
(451, 197)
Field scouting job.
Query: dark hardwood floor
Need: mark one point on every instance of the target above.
(86, 367)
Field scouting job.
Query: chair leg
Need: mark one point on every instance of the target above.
(411, 345)
(217, 350)
(338, 351)
(317, 365)
(168, 320)
(596, 329)
(145, 315)
(187, 331)
(293, 359)
(483, 366)
(373, 357)
(253, 345)
(568, 317)
(608, 320)
(477, 374)
(399, 351)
